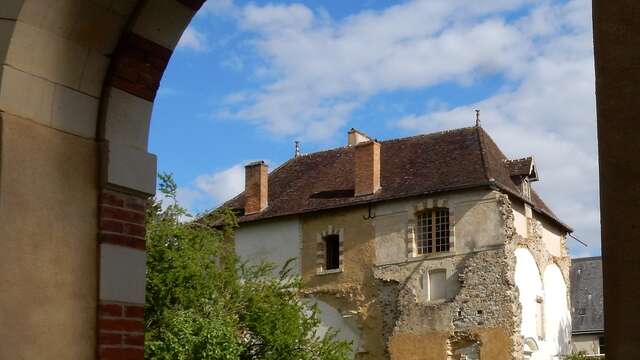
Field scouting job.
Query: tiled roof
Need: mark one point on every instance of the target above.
(424, 164)
(587, 313)
(520, 166)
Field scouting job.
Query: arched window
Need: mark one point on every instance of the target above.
(433, 231)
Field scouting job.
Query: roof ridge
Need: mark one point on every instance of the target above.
(345, 147)
(441, 132)
(483, 154)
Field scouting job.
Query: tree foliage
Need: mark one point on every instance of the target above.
(203, 302)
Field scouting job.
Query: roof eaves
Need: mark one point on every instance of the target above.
(367, 200)
(533, 206)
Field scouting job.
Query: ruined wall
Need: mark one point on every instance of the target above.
(380, 297)
(352, 292)
(542, 256)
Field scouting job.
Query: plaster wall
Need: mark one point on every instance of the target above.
(475, 216)
(589, 344)
(529, 283)
(345, 324)
(552, 237)
(48, 252)
(353, 291)
(557, 315)
(275, 241)
(519, 218)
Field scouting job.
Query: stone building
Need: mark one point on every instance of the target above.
(427, 247)
(587, 306)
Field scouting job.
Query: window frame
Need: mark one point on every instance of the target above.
(335, 263)
(435, 236)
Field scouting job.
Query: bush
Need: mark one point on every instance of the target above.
(203, 302)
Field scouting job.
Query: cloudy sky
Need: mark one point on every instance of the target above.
(249, 78)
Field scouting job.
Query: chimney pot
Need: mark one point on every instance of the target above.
(256, 188)
(367, 167)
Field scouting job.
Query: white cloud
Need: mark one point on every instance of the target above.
(318, 70)
(217, 7)
(222, 185)
(322, 69)
(194, 40)
(550, 114)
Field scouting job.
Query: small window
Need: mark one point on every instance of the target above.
(332, 252)
(437, 284)
(601, 347)
(433, 231)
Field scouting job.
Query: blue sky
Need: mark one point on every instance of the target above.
(249, 78)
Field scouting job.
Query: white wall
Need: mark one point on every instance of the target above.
(346, 324)
(557, 313)
(552, 238)
(519, 218)
(590, 344)
(529, 283)
(275, 241)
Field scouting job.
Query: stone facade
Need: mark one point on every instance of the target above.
(381, 289)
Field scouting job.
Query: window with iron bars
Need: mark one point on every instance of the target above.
(433, 231)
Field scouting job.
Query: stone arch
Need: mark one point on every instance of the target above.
(77, 83)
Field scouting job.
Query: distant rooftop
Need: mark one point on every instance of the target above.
(587, 311)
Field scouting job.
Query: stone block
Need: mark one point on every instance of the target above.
(129, 167)
(122, 274)
(74, 112)
(163, 21)
(26, 95)
(46, 55)
(127, 119)
(94, 73)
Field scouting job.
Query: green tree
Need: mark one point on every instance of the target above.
(203, 302)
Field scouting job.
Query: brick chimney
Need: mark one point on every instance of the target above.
(355, 137)
(256, 187)
(367, 167)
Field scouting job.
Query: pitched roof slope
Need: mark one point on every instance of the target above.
(587, 312)
(424, 164)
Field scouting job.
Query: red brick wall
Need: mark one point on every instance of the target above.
(120, 331)
(367, 168)
(256, 187)
(122, 219)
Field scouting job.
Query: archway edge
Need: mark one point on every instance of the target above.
(77, 83)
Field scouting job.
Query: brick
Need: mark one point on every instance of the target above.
(108, 212)
(110, 339)
(136, 204)
(128, 325)
(110, 198)
(135, 340)
(134, 311)
(138, 66)
(111, 225)
(114, 310)
(134, 229)
(121, 354)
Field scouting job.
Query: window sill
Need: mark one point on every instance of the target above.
(433, 255)
(328, 272)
